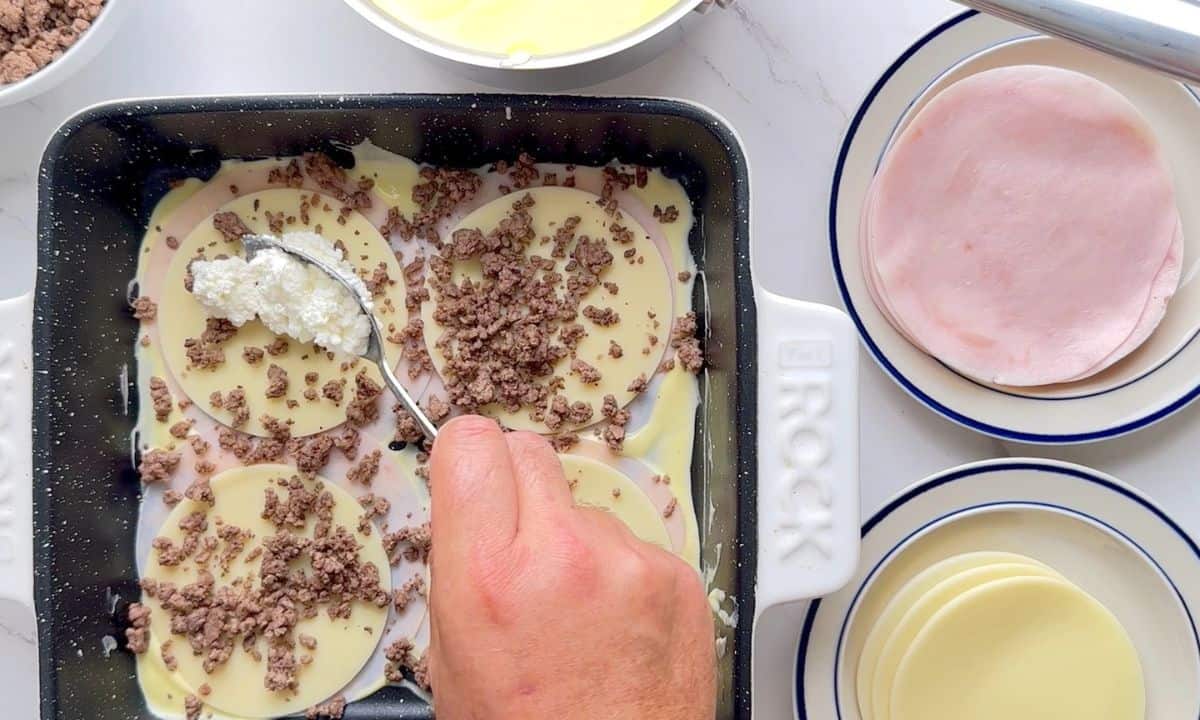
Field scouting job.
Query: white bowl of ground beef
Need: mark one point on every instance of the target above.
(43, 41)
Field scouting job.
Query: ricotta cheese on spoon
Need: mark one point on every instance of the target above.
(287, 295)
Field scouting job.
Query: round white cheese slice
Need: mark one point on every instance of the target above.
(643, 299)
(181, 316)
(1034, 648)
(343, 645)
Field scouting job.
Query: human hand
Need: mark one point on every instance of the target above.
(540, 609)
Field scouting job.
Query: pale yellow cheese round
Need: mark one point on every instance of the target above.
(343, 645)
(928, 605)
(181, 316)
(593, 484)
(644, 286)
(1033, 648)
(885, 624)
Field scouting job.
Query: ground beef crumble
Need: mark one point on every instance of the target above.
(403, 664)
(252, 355)
(230, 226)
(144, 309)
(160, 399)
(365, 470)
(158, 465)
(137, 635)
(332, 709)
(277, 382)
(35, 33)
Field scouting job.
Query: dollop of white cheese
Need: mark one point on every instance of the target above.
(289, 296)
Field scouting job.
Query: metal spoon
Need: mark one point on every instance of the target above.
(253, 244)
(1162, 35)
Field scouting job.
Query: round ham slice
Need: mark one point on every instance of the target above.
(1024, 229)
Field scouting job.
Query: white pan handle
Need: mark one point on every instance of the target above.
(16, 451)
(808, 498)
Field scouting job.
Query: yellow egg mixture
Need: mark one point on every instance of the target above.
(525, 27)
(646, 482)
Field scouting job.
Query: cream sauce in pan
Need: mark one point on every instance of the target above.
(647, 484)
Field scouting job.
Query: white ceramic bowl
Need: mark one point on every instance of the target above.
(545, 72)
(76, 56)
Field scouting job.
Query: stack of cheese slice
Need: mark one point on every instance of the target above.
(1023, 228)
(997, 636)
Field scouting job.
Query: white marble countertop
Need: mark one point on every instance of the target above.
(786, 73)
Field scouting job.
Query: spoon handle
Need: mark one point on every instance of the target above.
(1162, 35)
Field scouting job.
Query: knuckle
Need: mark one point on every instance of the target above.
(469, 426)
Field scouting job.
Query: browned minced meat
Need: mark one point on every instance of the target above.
(669, 510)
(334, 390)
(172, 242)
(666, 365)
(278, 429)
(200, 491)
(587, 373)
(364, 471)
(217, 331)
(669, 214)
(168, 655)
(230, 226)
(412, 588)
(293, 511)
(311, 378)
(604, 317)
(612, 288)
(34, 33)
(437, 196)
(332, 709)
(378, 281)
(171, 498)
(638, 384)
(252, 355)
(311, 453)
(684, 275)
(563, 443)
(411, 543)
(199, 445)
(622, 235)
(235, 404)
(333, 179)
(364, 408)
(137, 635)
(157, 465)
(278, 346)
(144, 309)
(524, 171)
(687, 347)
(373, 507)
(192, 707)
(160, 398)
(571, 334)
(499, 333)
(614, 349)
(202, 355)
(289, 175)
(436, 408)
(347, 441)
(181, 429)
(277, 381)
(614, 432)
(403, 663)
(407, 429)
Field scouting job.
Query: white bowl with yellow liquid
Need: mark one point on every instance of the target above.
(533, 44)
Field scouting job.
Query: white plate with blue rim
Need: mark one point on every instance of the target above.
(1099, 533)
(1157, 379)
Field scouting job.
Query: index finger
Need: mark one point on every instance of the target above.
(474, 491)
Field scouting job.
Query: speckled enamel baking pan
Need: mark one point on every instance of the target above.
(775, 465)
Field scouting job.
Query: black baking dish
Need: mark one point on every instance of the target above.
(101, 176)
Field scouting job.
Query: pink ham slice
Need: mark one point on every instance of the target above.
(1023, 229)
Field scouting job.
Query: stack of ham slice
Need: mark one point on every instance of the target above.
(1023, 229)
